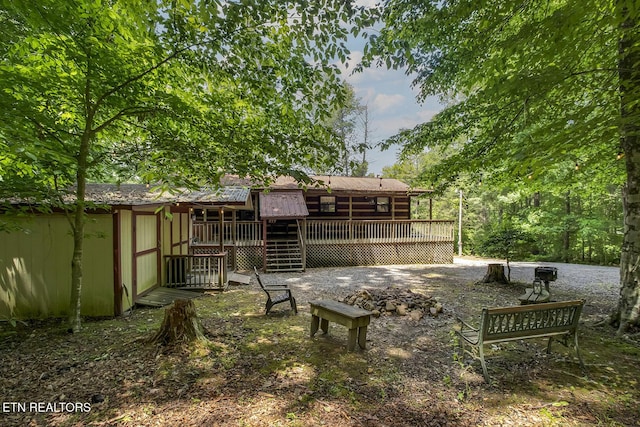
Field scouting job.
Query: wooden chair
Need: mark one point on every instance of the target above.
(276, 294)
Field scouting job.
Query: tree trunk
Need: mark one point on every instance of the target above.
(77, 227)
(566, 241)
(495, 274)
(180, 325)
(628, 311)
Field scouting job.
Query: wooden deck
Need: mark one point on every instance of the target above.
(159, 297)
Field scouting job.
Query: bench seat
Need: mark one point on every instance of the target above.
(355, 319)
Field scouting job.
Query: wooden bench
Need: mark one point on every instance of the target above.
(552, 320)
(354, 318)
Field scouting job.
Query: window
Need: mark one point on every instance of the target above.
(327, 204)
(382, 204)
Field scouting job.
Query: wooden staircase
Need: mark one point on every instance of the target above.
(284, 255)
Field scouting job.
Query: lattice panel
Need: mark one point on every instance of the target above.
(248, 257)
(334, 255)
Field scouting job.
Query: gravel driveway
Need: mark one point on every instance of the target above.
(599, 286)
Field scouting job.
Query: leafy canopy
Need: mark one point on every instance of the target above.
(176, 92)
(531, 87)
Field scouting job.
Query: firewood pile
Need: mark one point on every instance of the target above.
(393, 301)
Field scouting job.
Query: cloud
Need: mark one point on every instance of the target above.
(366, 76)
(383, 102)
(367, 3)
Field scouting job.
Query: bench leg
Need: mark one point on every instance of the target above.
(324, 325)
(584, 368)
(461, 347)
(483, 363)
(362, 337)
(353, 335)
(315, 321)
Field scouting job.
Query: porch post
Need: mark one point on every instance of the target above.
(234, 237)
(221, 230)
(393, 208)
(350, 208)
(304, 244)
(264, 245)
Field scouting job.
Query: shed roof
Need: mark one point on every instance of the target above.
(283, 204)
(140, 194)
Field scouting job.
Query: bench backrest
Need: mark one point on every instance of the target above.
(259, 280)
(530, 321)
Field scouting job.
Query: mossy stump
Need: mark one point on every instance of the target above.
(180, 325)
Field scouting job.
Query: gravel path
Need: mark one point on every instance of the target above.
(598, 285)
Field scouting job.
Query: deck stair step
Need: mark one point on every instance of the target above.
(284, 255)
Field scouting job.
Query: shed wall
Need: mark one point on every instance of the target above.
(35, 268)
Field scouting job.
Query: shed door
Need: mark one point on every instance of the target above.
(146, 252)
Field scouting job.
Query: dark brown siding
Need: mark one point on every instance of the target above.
(362, 207)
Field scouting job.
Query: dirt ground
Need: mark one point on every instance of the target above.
(259, 370)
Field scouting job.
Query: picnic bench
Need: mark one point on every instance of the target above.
(555, 320)
(354, 318)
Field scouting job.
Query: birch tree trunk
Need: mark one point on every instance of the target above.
(628, 311)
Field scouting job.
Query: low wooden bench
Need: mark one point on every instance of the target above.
(552, 320)
(354, 318)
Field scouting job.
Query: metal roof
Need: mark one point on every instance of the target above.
(141, 194)
(283, 204)
(335, 183)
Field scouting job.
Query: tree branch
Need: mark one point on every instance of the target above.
(141, 75)
(132, 111)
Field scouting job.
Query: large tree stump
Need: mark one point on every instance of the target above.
(495, 274)
(180, 325)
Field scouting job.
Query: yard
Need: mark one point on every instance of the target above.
(265, 370)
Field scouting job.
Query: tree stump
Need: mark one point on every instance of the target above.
(495, 274)
(180, 325)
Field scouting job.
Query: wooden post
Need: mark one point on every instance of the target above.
(264, 244)
(221, 230)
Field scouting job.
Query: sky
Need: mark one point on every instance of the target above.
(391, 102)
(392, 106)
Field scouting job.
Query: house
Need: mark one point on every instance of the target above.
(336, 221)
(139, 239)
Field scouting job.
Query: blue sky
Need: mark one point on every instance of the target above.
(392, 106)
(391, 101)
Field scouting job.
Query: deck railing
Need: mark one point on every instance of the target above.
(396, 231)
(196, 271)
(249, 233)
